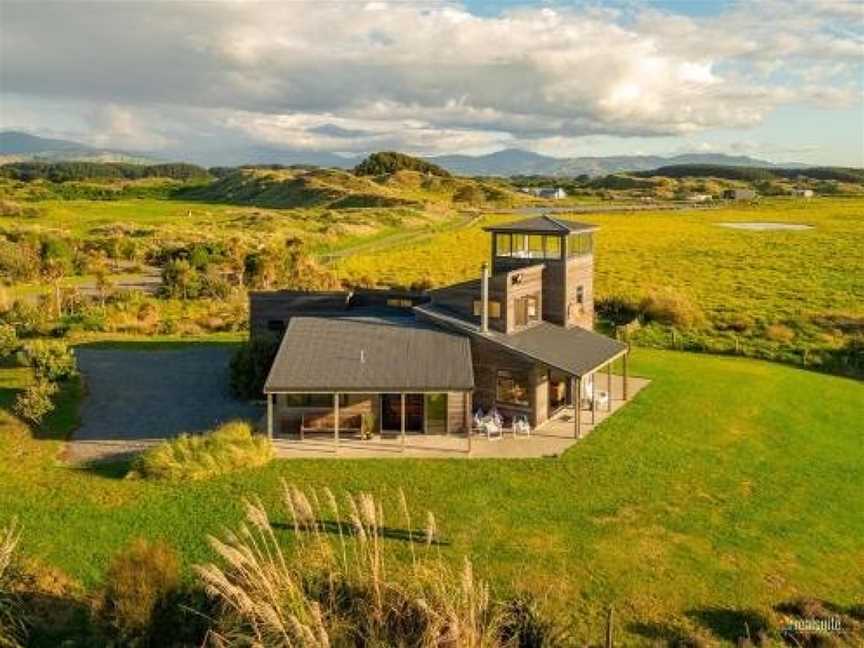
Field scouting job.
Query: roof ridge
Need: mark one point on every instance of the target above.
(555, 221)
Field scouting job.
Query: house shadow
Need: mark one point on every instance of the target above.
(730, 624)
(659, 633)
(347, 529)
(727, 624)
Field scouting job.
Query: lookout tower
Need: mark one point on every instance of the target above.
(565, 249)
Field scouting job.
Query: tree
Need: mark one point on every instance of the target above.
(51, 359)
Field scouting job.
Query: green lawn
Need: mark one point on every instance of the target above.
(726, 484)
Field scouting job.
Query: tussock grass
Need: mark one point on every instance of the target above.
(232, 446)
(342, 585)
(12, 628)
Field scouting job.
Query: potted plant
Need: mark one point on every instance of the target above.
(367, 425)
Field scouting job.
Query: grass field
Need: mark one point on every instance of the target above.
(810, 282)
(727, 484)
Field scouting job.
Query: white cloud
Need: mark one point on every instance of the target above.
(425, 78)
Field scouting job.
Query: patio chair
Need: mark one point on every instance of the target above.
(602, 400)
(521, 427)
(477, 420)
(492, 429)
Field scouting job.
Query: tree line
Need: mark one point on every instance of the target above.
(81, 170)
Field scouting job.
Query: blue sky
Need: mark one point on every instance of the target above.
(781, 80)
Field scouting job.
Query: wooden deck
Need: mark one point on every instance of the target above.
(550, 439)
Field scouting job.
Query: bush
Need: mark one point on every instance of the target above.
(140, 584)
(34, 403)
(231, 446)
(251, 364)
(8, 340)
(51, 359)
(779, 333)
(12, 627)
(617, 310)
(670, 309)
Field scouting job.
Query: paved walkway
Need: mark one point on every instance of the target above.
(137, 398)
(550, 440)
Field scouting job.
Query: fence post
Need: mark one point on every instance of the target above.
(609, 620)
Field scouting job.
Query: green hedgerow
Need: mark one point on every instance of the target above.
(231, 446)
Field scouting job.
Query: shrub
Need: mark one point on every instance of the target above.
(51, 360)
(34, 403)
(12, 627)
(617, 309)
(8, 340)
(671, 309)
(779, 333)
(250, 365)
(231, 446)
(139, 586)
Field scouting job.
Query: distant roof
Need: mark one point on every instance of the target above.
(543, 225)
(574, 350)
(323, 354)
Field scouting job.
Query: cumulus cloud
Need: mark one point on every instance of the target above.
(430, 78)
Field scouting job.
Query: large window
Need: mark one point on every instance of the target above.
(580, 244)
(494, 309)
(528, 246)
(503, 245)
(527, 310)
(511, 389)
(314, 400)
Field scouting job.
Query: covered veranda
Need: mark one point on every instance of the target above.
(550, 439)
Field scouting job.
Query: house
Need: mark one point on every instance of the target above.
(518, 339)
(552, 193)
(739, 194)
(699, 198)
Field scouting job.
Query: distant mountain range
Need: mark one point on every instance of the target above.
(15, 146)
(518, 162)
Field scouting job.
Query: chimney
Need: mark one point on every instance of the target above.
(484, 298)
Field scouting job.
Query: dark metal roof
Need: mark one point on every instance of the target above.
(576, 351)
(543, 225)
(323, 354)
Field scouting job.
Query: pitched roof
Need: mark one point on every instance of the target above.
(329, 354)
(544, 224)
(574, 350)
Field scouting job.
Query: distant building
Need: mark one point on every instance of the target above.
(739, 194)
(700, 198)
(802, 193)
(554, 193)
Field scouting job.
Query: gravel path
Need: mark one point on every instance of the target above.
(136, 398)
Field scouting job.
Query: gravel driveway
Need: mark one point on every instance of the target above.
(135, 398)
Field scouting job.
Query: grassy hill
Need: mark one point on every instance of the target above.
(338, 189)
(724, 489)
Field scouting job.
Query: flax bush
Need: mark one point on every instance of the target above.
(231, 446)
(341, 585)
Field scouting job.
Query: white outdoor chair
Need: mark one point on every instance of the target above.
(521, 427)
(602, 400)
(492, 430)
